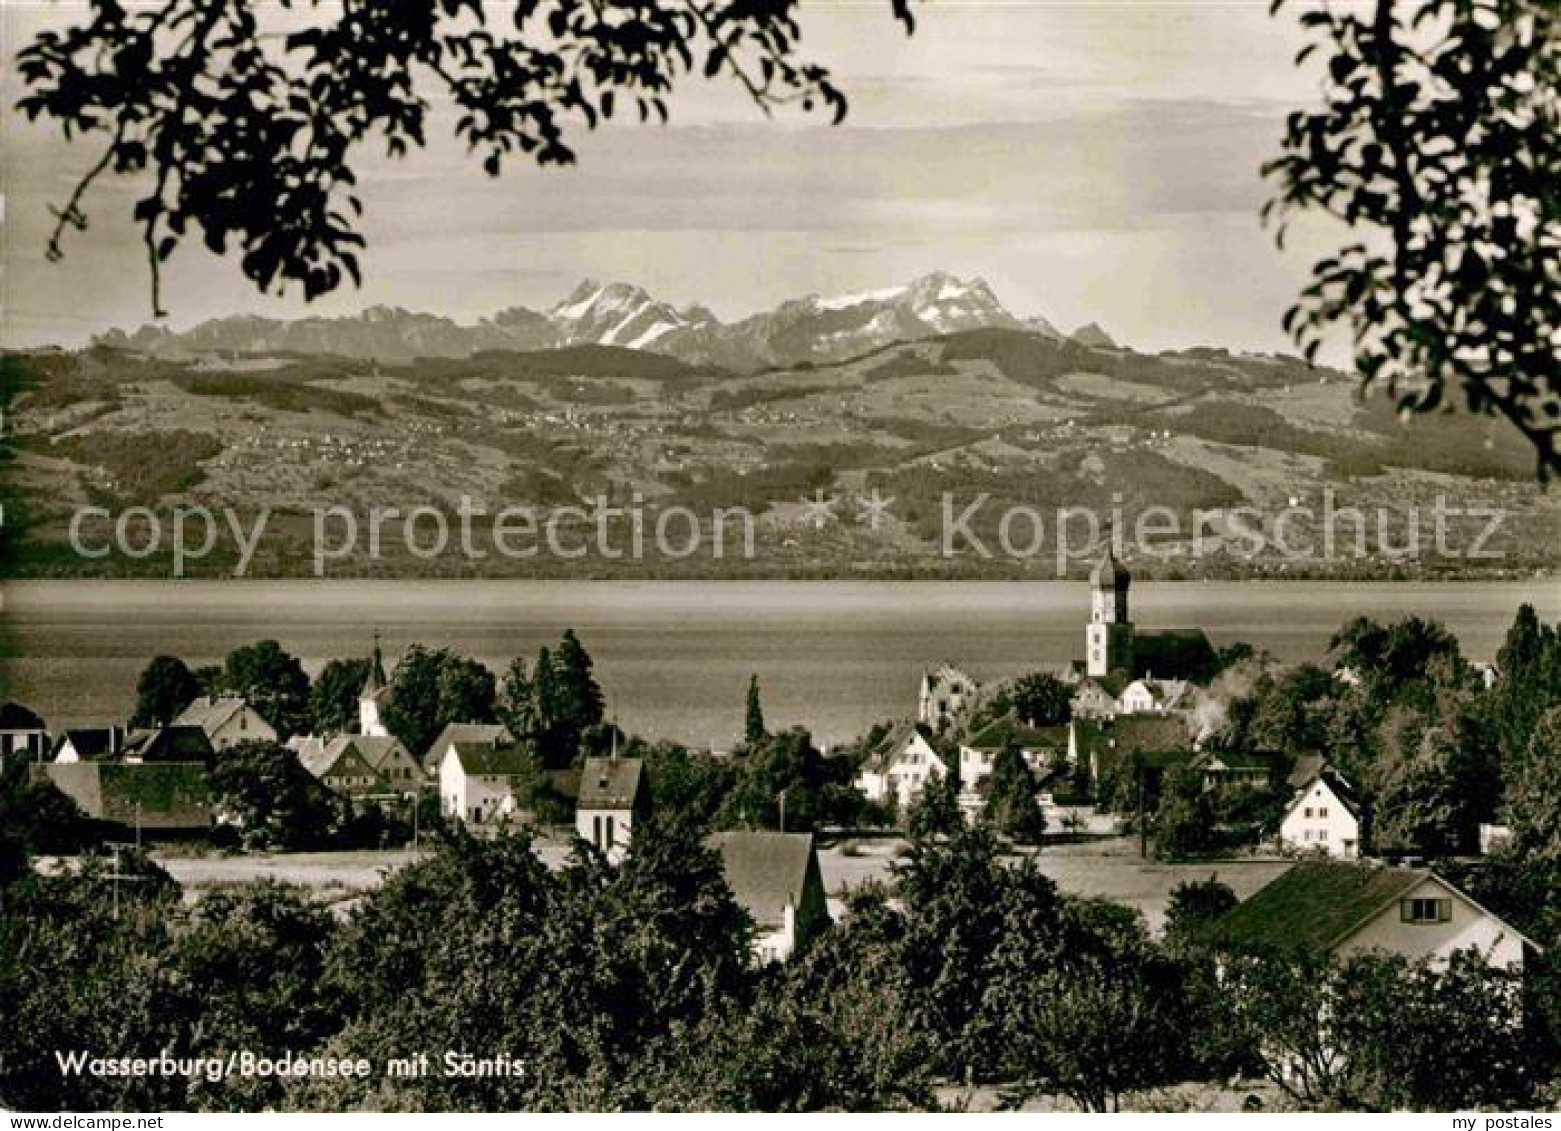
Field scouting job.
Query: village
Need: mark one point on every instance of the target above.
(1095, 747)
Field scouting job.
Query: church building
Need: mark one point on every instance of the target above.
(1113, 646)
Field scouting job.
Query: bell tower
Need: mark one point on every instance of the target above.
(1108, 638)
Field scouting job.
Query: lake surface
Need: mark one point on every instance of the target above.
(674, 657)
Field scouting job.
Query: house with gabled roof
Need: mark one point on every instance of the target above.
(176, 743)
(1323, 817)
(23, 734)
(775, 877)
(1237, 769)
(492, 734)
(614, 796)
(88, 744)
(903, 763)
(1148, 695)
(1105, 746)
(227, 720)
(359, 765)
(171, 798)
(1043, 749)
(1345, 909)
(480, 782)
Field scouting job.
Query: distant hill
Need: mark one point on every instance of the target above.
(1009, 413)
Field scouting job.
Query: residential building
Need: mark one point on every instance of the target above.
(1353, 908)
(1153, 696)
(490, 734)
(1108, 748)
(88, 744)
(23, 735)
(614, 795)
(1323, 818)
(1226, 770)
(178, 743)
(1044, 749)
(227, 721)
(903, 764)
(480, 782)
(775, 877)
(360, 765)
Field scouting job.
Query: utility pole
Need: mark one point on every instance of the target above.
(783, 810)
(117, 877)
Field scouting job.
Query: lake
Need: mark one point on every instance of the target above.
(674, 657)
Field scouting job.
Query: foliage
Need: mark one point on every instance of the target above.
(557, 705)
(753, 715)
(1041, 699)
(1193, 904)
(687, 788)
(333, 701)
(934, 811)
(430, 689)
(262, 792)
(1010, 804)
(165, 688)
(1439, 144)
(273, 681)
(238, 123)
(1183, 821)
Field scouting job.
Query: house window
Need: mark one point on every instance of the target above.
(1423, 910)
(611, 834)
(1322, 812)
(1308, 810)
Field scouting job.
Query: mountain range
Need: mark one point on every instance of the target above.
(811, 330)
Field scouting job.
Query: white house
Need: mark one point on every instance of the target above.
(614, 794)
(360, 764)
(1353, 908)
(227, 721)
(488, 734)
(1323, 818)
(1043, 749)
(89, 744)
(478, 782)
(905, 762)
(775, 877)
(1147, 695)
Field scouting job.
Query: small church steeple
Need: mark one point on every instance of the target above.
(375, 687)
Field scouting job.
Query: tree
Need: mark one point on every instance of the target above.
(1010, 798)
(239, 123)
(1107, 1017)
(333, 701)
(166, 687)
(753, 717)
(517, 706)
(934, 811)
(274, 683)
(1528, 680)
(578, 704)
(1437, 144)
(1533, 796)
(260, 790)
(1183, 821)
(1193, 905)
(431, 689)
(1041, 699)
(783, 766)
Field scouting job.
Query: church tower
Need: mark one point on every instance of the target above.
(1108, 638)
(375, 688)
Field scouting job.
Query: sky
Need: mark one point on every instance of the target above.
(1093, 161)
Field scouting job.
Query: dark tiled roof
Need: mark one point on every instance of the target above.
(378, 750)
(1314, 906)
(14, 716)
(1000, 732)
(611, 783)
(91, 743)
(1173, 653)
(494, 734)
(485, 760)
(169, 744)
(157, 795)
(766, 871)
